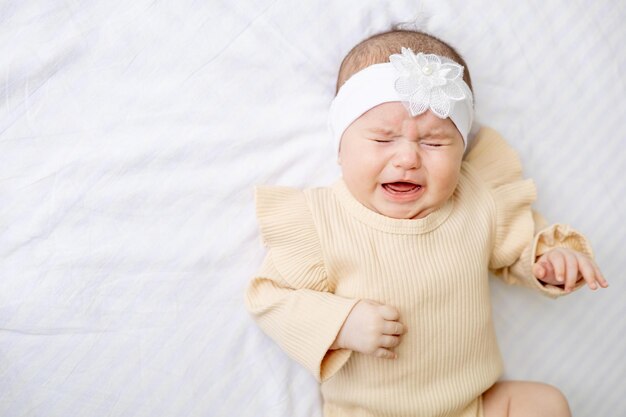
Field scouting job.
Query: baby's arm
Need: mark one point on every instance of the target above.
(371, 328)
(557, 250)
(563, 266)
(303, 320)
(526, 250)
(293, 301)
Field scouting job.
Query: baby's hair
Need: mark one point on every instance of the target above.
(377, 48)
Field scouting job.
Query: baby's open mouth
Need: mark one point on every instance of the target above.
(401, 187)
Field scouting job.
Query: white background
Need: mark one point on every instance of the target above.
(132, 133)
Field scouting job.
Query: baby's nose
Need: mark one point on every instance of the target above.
(407, 156)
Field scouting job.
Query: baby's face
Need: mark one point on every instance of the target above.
(399, 165)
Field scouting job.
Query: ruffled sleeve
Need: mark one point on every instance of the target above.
(287, 229)
(518, 237)
(290, 296)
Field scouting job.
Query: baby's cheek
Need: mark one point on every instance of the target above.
(448, 173)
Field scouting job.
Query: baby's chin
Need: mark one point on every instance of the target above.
(405, 213)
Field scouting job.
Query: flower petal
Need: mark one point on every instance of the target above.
(417, 108)
(431, 59)
(400, 63)
(406, 52)
(418, 103)
(406, 86)
(439, 103)
(409, 55)
(443, 72)
(437, 80)
(453, 91)
(421, 60)
(452, 71)
(425, 81)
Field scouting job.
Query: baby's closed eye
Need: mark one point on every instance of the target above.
(433, 143)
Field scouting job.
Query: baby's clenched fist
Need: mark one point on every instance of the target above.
(371, 328)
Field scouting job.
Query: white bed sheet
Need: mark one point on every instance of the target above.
(132, 133)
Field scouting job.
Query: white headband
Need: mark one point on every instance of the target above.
(420, 81)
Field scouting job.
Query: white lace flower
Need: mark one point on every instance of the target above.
(427, 82)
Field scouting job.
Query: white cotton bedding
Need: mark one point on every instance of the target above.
(132, 134)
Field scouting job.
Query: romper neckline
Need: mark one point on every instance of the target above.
(389, 224)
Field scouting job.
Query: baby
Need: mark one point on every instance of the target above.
(379, 284)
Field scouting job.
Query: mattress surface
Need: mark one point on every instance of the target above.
(132, 135)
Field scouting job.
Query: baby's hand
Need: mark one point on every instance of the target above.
(371, 328)
(562, 266)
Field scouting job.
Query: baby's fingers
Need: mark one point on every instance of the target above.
(543, 269)
(572, 269)
(389, 341)
(388, 312)
(393, 328)
(591, 273)
(599, 277)
(557, 260)
(588, 272)
(383, 353)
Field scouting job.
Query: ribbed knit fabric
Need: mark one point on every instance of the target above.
(327, 252)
